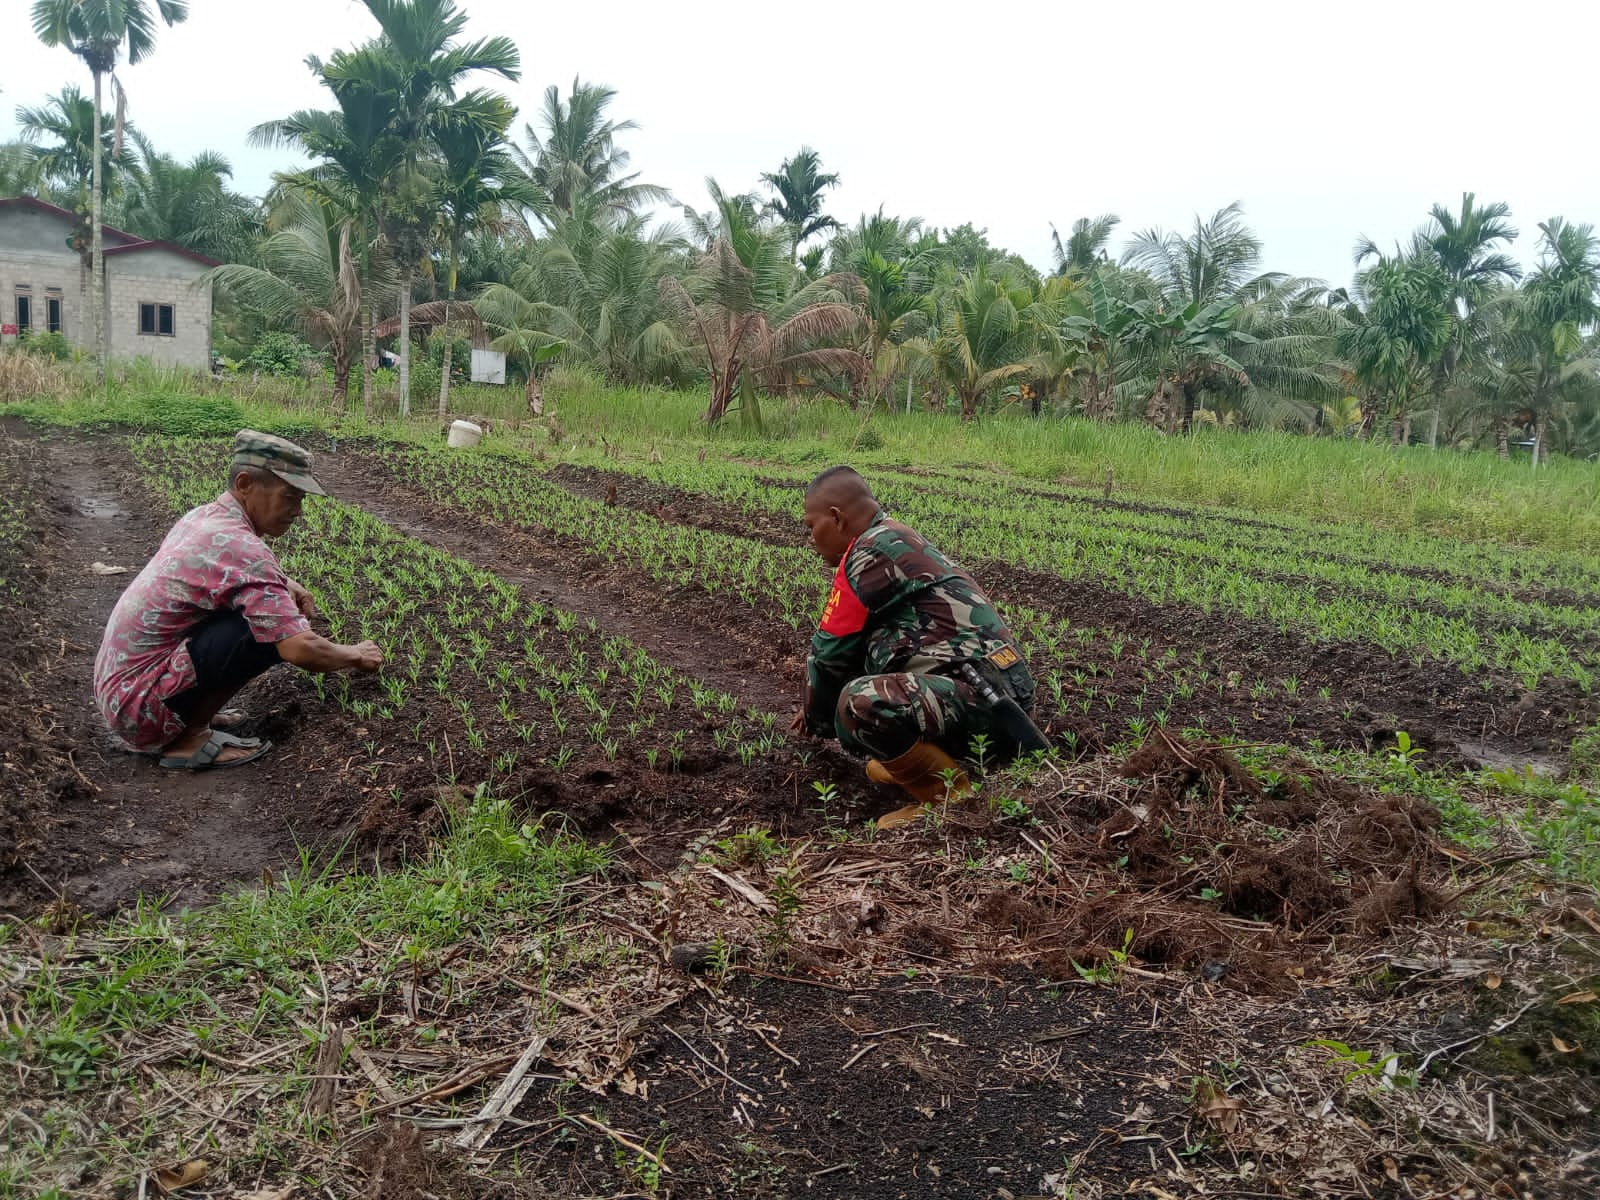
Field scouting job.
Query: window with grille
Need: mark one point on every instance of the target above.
(156, 320)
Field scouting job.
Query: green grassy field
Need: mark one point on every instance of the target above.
(1458, 496)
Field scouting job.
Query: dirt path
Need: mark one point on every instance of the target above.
(141, 829)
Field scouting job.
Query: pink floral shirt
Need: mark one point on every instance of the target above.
(212, 560)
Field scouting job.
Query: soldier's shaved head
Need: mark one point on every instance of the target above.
(839, 505)
(841, 485)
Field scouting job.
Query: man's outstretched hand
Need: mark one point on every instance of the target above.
(368, 656)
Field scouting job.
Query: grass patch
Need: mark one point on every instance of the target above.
(216, 984)
(1461, 496)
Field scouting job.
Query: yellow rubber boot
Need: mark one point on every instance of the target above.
(921, 773)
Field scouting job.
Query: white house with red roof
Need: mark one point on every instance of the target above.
(156, 303)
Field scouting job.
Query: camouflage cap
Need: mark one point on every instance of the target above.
(290, 463)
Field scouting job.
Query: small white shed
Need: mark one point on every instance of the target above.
(488, 366)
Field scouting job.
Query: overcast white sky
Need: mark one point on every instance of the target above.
(1326, 121)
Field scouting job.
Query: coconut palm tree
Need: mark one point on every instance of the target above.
(894, 239)
(308, 280)
(574, 162)
(59, 139)
(392, 93)
(95, 31)
(1342, 417)
(1465, 245)
(737, 217)
(1085, 246)
(798, 186)
(983, 338)
(19, 172)
(1258, 342)
(1287, 345)
(1545, 365)
(733, 310)
(356, 149)
(1215, 262)
(479, 187)
(596, 290)
(1055, 356)
(1397, 332)
(897, 308)
(66, 161)
(412, 70)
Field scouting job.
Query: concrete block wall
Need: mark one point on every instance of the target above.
(40, 273)
(130, 282)
(34, 251)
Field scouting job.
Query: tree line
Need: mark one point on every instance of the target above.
(420, 196)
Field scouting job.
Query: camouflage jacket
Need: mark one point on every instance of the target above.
(897, 604)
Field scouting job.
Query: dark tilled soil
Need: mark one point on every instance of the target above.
(706, 637)
(35, 759)
(100, 825)
(909, 1090)
(1436, 703)
(960, 1087)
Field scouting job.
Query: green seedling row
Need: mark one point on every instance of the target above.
(783, 582)
(1353, 542)
(1294, 586)
(17, 506)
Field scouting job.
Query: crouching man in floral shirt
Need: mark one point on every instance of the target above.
(211, 611)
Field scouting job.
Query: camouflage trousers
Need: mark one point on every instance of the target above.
(883, 716)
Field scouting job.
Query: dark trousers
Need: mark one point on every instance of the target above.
(226, 656)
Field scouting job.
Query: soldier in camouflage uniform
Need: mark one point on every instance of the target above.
(883, 674)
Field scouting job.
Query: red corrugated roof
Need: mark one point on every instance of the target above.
(128, 243)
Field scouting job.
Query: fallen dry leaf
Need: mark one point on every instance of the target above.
(1219, 1108)
(630, 1085)
(1585, 997)
(1391, 1169)
(100, 568)
(286, 1192)
(1491, 980)
(1565, 1047)
(170, 1179)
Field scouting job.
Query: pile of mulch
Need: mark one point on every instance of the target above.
(1178, 858)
